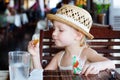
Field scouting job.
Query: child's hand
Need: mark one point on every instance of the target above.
(33, 48)
(91, 68)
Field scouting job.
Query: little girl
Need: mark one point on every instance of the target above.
(71, 28)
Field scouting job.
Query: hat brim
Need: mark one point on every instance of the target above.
(57, 18)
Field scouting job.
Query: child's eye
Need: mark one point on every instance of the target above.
(61, 30)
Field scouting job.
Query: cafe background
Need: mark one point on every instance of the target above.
(19, 18)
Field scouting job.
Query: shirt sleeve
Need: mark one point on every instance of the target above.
(36, 74)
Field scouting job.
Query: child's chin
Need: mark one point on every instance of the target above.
(58, 45)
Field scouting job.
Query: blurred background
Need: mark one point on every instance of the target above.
(21, 19)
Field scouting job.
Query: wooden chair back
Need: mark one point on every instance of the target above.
(106, 42)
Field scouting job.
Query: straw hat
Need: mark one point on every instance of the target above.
(75, 17)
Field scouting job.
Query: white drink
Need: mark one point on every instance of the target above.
(18, 71)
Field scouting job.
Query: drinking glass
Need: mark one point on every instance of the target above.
(19, 63)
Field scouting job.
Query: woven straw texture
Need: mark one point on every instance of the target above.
(75, 17)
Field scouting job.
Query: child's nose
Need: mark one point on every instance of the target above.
(54, 33)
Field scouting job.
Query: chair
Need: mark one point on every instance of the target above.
(106, 42)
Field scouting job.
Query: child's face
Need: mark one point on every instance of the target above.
(63, 35)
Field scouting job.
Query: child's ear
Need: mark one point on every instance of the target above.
(79, 36)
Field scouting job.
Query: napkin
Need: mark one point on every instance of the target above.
(36, 74)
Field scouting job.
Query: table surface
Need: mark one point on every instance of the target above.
(68, 75)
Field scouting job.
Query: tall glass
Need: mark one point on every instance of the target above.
(19, 63)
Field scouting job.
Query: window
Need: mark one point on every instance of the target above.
(116, 4)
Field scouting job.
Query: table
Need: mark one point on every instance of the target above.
(68, 75)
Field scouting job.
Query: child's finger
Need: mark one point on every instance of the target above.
(84, 68)
(94, 71)
(89, 69)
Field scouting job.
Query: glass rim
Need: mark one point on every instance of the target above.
(18, 52)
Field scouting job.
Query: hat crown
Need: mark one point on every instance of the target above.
(77, 14)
